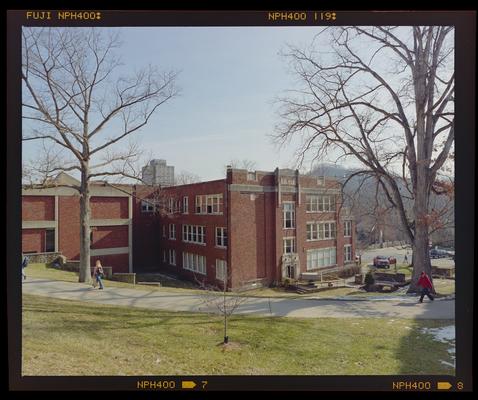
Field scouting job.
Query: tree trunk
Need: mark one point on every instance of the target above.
(85, 212)
(421, 254)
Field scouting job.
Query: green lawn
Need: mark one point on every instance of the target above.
(62, 337)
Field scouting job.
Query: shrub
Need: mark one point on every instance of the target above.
(369, 279)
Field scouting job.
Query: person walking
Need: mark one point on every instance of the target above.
(24, 265)
(426, 284)
(98, 275)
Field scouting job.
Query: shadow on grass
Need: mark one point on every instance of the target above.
(419, 353)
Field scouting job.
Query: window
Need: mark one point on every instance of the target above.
(194, 234)
(170, 205)
(316, 203)
(319, 258)
(321, 180)
(172, 231)
(221, 237)
(164, 231)
(221, 270)
(320, 230)
(194, 262)
(290, 272)
(289, 245)
(147, 206)
(289, 215)
(347, 228)
(347, 253)
(251, 176)
(172, 257)
(50, 240)
(185, 205)
(164, 255)
(209, 204)
(287, 180)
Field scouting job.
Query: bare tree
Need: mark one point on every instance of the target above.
(243, 164)
(225, 303)
(185, 177)
(383, 96)
(74, 98)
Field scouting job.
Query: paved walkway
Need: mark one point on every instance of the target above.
(283, 307)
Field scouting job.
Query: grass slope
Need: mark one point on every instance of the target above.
(62, 337)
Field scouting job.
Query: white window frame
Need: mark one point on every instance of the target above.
(286, 212)
(209, 204)
(317, 203)
(251, 176)
(221, 269)
(347, 252)
(172, 257)
(194, 234)
(170, 205)
(185, 205)
(347, 228)
(147, 206)
(318, 233)
(221, 237)
(321, 258)
(194, 262)
(172, 231)
(286, 246)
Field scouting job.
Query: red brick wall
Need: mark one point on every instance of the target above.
(38, 208)
(109, 207)
(146, 232)
(33, 240)
(109, 236)
(119, 262)
(210, 221)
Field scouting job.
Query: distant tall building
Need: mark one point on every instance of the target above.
(158, 173)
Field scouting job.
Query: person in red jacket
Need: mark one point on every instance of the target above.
(426, 284)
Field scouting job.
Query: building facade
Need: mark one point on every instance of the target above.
(254, 228)
(157, 172)
(51, 222)
(249, 229)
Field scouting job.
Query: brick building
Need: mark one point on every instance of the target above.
(51, 222)
(265, 225)
(258, 227)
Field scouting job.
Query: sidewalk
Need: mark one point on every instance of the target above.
(281, 307)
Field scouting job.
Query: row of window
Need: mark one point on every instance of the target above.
(313, 204)
(205, 204)
(197, 234)
(319, 258)
(197, 263)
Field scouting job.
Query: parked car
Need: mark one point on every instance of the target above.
(438, 253)
(382, 262)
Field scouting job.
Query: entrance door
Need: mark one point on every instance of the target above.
(290, 271)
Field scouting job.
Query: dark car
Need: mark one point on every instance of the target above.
(438, 253)
(381, 262)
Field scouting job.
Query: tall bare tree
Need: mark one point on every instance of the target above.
(383, 96)
(74, 98)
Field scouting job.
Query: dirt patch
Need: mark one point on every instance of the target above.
(230, 346)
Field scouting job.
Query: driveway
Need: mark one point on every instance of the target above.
(399, 253)
(279, 307)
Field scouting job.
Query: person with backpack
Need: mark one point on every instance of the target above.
(98, 275)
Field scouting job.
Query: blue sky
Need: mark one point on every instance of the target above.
(229, 78)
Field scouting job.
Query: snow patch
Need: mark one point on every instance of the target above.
(442, 334)
(445, 334)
